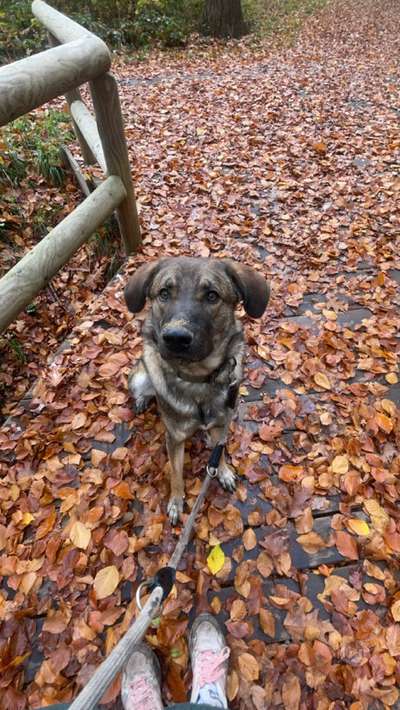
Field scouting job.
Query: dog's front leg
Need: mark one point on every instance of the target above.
(176, 451)
(226, 474)
(141, 387)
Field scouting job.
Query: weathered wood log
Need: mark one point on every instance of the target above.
(61, 26)
(105, 674)
(24, 281)
(88, 128)
(31, 82)
(111, 129)
(70, 162)
(75, 95)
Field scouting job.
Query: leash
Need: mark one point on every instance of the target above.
(159, 586)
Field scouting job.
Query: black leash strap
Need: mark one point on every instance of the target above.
(165, 577)
(213, 461)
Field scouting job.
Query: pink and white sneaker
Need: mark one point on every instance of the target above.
(140, 687)
(209, 656)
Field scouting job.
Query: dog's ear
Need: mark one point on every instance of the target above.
(252, 287)
(137, 288)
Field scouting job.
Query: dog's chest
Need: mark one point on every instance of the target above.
(207, 403)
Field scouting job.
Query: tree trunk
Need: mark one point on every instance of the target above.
(223, 18)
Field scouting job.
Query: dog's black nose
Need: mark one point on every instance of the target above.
(177, 339)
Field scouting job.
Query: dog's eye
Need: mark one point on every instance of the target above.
(164, 294)
(212, 296)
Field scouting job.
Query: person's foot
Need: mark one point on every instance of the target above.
(140, 687)
(209, 656)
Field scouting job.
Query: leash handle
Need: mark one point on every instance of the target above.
(165, 578)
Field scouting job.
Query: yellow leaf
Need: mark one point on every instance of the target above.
(340, 464)
(322, 380)
(14, 491)
(26, 519)
(106, 581)
(79, 535)
(357, 526)
(395, 609)
(216, 559)
(392, 378)
(329, 315)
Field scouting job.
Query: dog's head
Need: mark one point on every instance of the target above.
(193, 301)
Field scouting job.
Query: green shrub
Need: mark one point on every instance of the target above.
(30, 147)
(121, 23)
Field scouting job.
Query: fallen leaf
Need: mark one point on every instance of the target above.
(322, 380)
(346, 544)
(291, 692)
(106, 581)
(216, 559)
(267, 622)
(79, 535)
(311, 542)
(248, 667)
(249, 539)
(340, 464)
(357, 526)
(384, 422)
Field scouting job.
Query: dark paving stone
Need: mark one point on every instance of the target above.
(327, 555)
(347, 318)
(255, 502)
(354, 317)
(355, 576)
(395, 275)
(393, 393)
(123, 433)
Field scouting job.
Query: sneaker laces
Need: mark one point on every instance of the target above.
(211, 666)
(144, 693)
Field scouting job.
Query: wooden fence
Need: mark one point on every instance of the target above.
(77, 56)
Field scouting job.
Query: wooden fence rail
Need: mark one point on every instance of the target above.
(24, 85)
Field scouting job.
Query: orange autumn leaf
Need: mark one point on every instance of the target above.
(248, 667)
(384, 422)
(122, 490)
(346, 544)
(267, 622)
(46, 525)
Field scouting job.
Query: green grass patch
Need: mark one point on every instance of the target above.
(279, 17)
(30, 148)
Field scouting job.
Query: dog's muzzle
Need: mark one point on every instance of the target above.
(176, 339)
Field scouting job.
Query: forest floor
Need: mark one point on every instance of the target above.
(288, 161)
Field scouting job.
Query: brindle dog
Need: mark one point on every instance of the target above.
(193, 350)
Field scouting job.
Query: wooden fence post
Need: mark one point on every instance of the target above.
(75, 95)
(111, 130)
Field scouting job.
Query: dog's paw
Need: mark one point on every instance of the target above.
(141, 404)
(174, 509)
(227, 477)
